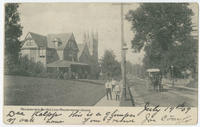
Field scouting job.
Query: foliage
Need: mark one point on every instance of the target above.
(94, 69)
(13, 30)
(163, 30)
(110, 65)
(192, 84)
(27, 67)
(135, 69)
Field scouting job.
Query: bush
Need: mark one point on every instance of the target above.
(193, 84)
(24, 67)
(52, 75)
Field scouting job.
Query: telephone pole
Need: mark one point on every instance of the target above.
(123, 55)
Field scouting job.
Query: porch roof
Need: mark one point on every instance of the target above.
(65, 63)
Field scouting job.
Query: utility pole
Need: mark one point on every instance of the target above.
(123, 51)
(123, 55)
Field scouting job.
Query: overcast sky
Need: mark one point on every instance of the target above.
(78, 18)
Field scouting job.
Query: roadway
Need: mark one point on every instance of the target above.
(168, 97)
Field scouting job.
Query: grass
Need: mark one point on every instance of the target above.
(19, 90)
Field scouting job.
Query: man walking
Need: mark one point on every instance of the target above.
(108, 87)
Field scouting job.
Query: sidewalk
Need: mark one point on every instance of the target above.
(137, 99)
(113, 102)
(105, 102)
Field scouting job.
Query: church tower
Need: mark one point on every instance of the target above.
(86, 38)
(95, 45)
(92, 42)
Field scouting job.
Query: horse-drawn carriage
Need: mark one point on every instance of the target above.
(154, 79)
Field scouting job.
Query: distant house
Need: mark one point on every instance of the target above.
(60, 52)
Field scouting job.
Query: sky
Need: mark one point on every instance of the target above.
(47, 18)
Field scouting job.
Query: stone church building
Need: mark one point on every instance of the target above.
(61, 53)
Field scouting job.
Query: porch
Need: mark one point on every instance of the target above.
(69, 69)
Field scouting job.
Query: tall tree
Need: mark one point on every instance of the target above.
(13, 30)
(163, 30)
(135, 69)
(110, 65)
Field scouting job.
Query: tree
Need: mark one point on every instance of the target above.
(163, 30)
(135, 69)
(110, 65)
(13, 30)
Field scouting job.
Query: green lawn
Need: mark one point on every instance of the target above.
(19, 90)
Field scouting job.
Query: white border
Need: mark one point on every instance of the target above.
(2, 56)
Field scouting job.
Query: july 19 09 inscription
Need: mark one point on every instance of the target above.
(141, 55)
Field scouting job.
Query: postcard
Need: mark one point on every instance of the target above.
(100, 63)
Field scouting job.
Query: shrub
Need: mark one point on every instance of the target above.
(24, 67)
(193, 84)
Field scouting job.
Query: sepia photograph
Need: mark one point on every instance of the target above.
(101, 54)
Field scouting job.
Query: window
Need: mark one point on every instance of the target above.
(56, 44)
(27, 42)
(42, 53)
(30, 42)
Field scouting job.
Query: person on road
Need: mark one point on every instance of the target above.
(108, 87)
(113, 82)
(117, 91)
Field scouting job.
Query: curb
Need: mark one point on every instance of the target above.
(129, 101)
(90, 81)
(131, 95)
(179, 87)
(182, 87)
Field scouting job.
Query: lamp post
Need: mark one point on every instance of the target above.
(172, 74)
(123, 48)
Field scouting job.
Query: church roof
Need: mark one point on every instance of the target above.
(81, 49)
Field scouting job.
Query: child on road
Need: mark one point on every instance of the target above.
(117, 91)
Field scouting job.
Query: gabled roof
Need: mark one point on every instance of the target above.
(65, 63)
(40, 40)
(63, 37)
(49, 40)
(81, 49)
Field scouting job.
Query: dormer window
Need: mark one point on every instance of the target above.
(57, 42)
